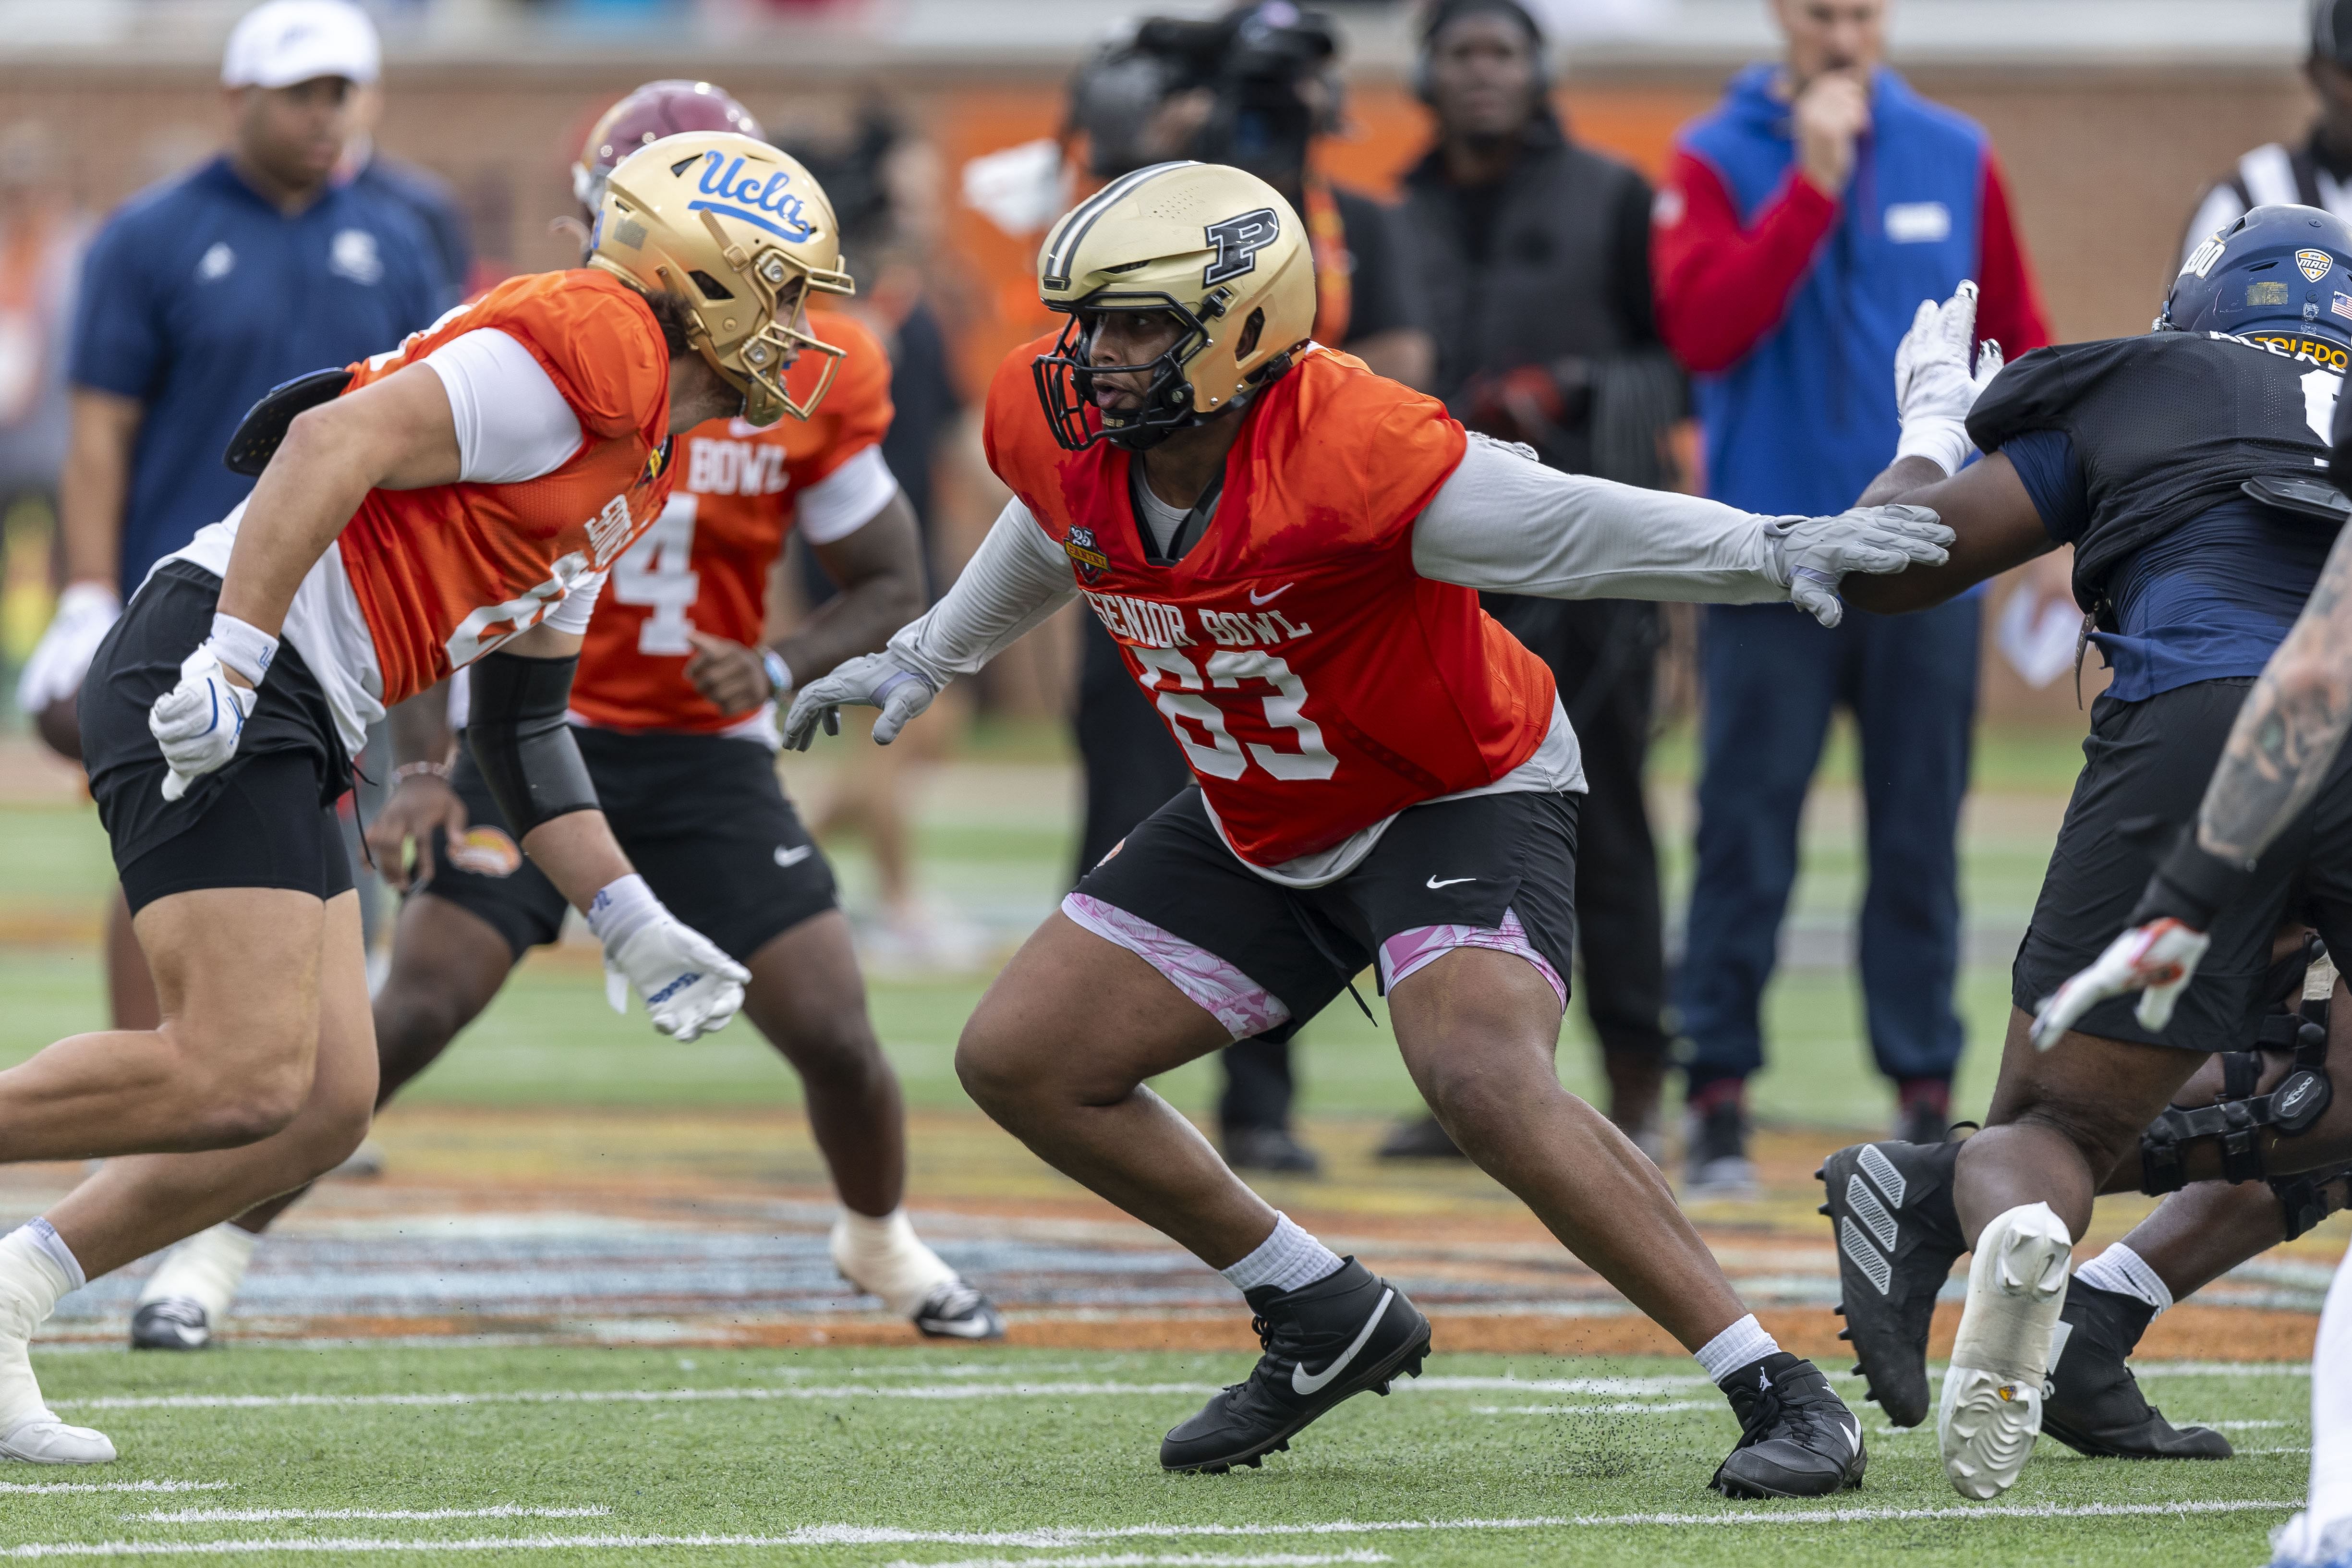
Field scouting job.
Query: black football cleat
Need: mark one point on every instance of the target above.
(1324, 1343)
(2093, 1405)
(954, 1311)
(174, 1323)
(1897, 1235)
(1797, 1438)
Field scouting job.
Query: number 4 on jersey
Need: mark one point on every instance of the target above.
(1221, 756)
(657, 571)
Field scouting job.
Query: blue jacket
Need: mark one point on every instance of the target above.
(1807, 419)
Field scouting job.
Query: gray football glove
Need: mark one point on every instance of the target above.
(1808, 555)
(873, 681)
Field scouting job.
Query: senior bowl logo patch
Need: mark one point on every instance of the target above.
(2314, 265)
(486, 852)
(1079, 547)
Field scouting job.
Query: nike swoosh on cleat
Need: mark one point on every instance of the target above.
(1302, 1384)
(793, 857)
(1449, 881)
(1270, 598)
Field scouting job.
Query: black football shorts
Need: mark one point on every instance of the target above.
(1493, 871)
(702, 819)
(2146, 766)
(267, 819)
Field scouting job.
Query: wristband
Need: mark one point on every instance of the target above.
(780, 674)
(621, 908)
(246, 649)
(414, 770)
(1940, 438)
(2191, 885)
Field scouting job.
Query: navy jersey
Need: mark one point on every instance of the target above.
(2136, 451)
(199, 295)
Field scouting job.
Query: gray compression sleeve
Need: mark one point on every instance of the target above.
(1016, 579)
(1504, 523)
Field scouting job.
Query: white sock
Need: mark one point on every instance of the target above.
(207, 1268)
(1742, 1344)
(1286, 1260)
(36, 1268)
(2126, 1273)
(884, 1258)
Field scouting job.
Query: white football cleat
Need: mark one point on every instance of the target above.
(52, 1442)
(1990, 1412)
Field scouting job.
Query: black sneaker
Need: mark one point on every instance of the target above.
(1420, 1138)
(1324, 1343)
(174, 1323)
(1271, 1149)
(1717, 1164)
(2093, 1405)
(954, 1311)
(1897, 1235)
(1797, 1438)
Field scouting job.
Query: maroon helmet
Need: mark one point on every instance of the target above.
(656, 109)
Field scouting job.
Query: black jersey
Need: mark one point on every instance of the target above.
(2164, 427)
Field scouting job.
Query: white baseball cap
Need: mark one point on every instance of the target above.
(287, 41)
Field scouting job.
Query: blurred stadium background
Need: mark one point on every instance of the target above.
(508, 1166)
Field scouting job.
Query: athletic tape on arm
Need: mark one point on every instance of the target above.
(516, 730)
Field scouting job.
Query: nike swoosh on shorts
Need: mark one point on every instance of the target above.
(793, 857)
(1434, 883)
(1302, 1384)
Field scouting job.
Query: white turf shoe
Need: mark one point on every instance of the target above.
(52, 1442)
(1991, 1407)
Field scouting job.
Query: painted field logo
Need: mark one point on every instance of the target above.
(764, 201)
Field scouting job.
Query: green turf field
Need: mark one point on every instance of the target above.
(930, 1458)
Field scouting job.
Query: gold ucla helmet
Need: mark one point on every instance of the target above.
(742, 234)
(1215, 247)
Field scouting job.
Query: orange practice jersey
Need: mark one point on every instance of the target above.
(444, 575)
(1316, 681)
(703, 565)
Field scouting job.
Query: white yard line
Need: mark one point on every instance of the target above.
(20, 1489)
(1144, 1559)
(835, 1535)
(1622, 1407)
(271, 1515)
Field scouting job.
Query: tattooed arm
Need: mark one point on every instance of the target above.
(2281, 750)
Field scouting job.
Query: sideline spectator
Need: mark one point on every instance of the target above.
(1799, 225)
(2318, 174)
(379, 174)
(1535, 265)
(198, 296)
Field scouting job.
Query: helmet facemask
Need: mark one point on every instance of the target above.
(1065, 378)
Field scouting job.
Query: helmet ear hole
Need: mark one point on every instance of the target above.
(1252, 329)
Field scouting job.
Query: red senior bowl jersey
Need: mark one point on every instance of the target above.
(446, 574)
(703, 565)
(1314, 680)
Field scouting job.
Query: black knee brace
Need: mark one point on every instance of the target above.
(2237, 1117)
(2304, 1199)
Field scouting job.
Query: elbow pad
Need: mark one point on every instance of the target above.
(516, 733)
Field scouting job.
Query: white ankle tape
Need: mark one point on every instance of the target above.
(2126, 1273)
(1288, 1259)
(1741, 1344)
(207, 1268)
(36, 1268)
(883, 1257)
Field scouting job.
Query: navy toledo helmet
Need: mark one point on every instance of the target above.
(2281, 274)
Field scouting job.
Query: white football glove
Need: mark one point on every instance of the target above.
(1807, 555)
(872, 680)
(1934, 387)
(199, 722)
(691, 987)
(85, 613)
(2157, 958)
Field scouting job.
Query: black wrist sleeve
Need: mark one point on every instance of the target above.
(2191, 885)
(516, 730)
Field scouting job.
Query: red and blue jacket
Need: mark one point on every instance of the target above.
(1787, 303)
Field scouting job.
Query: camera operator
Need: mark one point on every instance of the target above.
(1252, 89)
(1533, 263)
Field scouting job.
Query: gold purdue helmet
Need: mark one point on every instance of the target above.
(1217, 248)
(742, 234)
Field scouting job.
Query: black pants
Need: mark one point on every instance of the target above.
(1132, 769)
(1603, 654)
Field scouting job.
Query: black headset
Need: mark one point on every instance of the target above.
(1445, 11)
